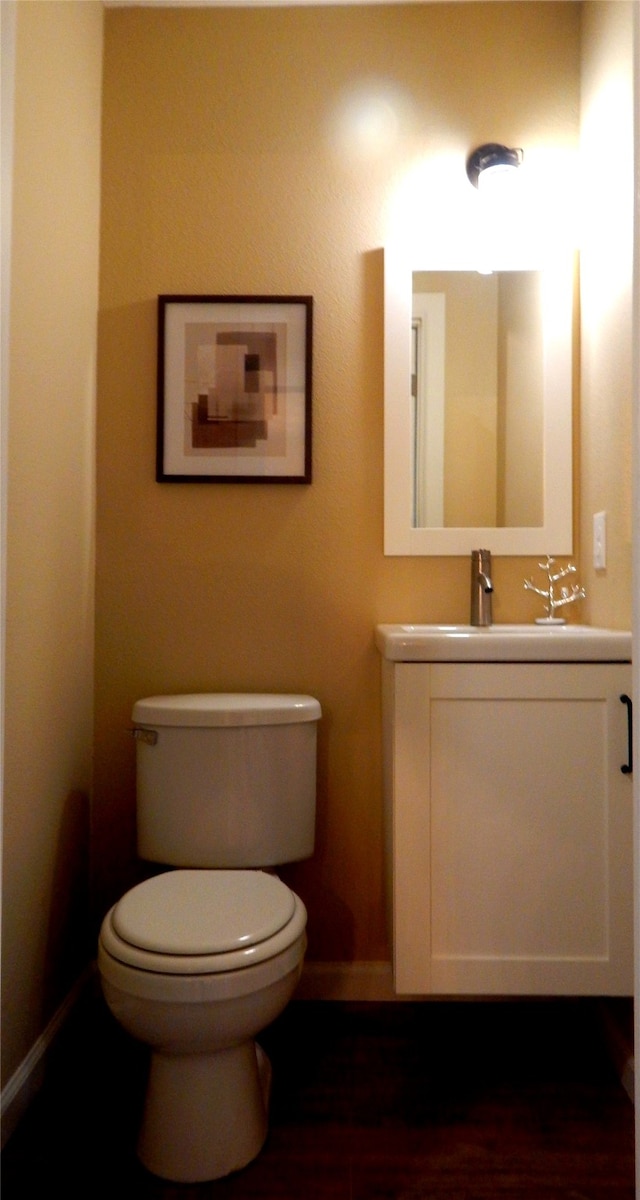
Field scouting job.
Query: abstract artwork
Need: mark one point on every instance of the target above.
(234, 389)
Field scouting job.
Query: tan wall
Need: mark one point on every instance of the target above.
(238, 181)
(49, 619)
(521, 422)
(607, 274)
(471, 405)
(471, 393)
(231, 165)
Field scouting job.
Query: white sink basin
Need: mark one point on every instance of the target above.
(503, 643)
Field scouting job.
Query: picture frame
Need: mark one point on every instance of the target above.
(234, 389)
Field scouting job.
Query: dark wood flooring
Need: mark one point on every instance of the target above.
(511, 1100)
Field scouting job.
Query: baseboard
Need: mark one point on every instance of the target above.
(340, 981)
(619, 1038)
(346, 981)
(628, 1078)
(27, 1080)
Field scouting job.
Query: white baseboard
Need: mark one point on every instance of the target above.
(320, 981)
(346, 981)
(341, 981)
(619, 1040)
(27, 1080)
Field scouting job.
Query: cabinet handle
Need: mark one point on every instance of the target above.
(627, 767)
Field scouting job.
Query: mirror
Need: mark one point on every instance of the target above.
(476, 387)
(478, 397)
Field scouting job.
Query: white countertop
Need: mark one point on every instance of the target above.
(503, 643)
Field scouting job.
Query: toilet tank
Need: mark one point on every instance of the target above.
(226, 779)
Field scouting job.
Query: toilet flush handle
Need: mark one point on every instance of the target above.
(148, 736)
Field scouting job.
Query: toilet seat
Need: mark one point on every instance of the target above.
(195, 922)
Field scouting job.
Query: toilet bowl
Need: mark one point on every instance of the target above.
(195, 963)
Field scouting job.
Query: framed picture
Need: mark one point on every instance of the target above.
(234, 389)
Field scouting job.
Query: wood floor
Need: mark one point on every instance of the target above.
(435, 1101)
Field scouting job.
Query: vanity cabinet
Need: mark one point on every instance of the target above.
(508, 827)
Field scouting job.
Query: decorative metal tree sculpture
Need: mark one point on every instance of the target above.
(554, 601)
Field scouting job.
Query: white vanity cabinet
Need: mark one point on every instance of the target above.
(508, 827)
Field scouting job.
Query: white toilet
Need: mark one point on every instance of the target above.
(196, 961)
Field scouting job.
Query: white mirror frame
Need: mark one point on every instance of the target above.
(555, 535)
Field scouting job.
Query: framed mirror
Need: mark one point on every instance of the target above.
(477, 408)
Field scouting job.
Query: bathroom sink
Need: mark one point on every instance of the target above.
(503, 643)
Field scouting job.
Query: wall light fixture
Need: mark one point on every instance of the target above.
(491, 163)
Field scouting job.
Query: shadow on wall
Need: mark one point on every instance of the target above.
(330, 927)
(331, 923)
(69, 947)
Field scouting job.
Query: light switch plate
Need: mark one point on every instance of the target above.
(600, 540)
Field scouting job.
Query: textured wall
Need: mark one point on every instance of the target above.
(238, 157)
(607, 273)
(50, 524)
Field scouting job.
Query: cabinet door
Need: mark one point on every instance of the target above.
(527, 835)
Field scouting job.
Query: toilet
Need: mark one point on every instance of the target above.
(198, 959)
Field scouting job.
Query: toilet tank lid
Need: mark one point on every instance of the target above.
(208, 709)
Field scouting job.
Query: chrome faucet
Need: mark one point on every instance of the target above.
(481, 587)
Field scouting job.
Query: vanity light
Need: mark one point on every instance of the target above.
(493, 170)
(492, 163)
